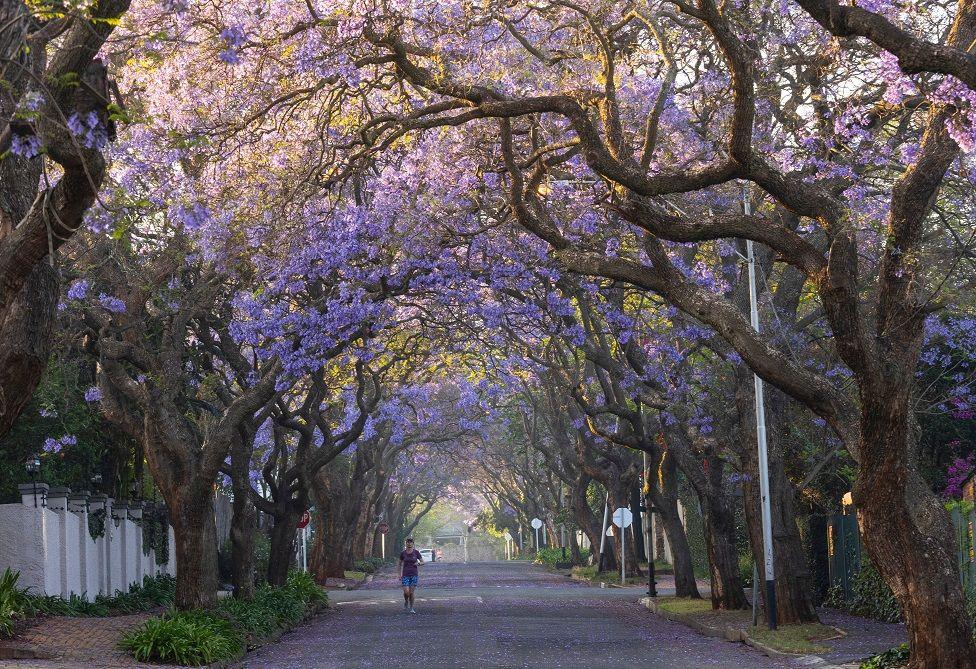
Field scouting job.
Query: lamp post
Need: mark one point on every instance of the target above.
(34, 466)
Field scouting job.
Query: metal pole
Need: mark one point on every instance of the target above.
(603, 532)
(761, 439)
(623, 551)
(383, 544)
(648, 545)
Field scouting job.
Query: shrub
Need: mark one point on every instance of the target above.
(745, 569)
(364, 566)
(303, 584)
(189, 638)
(553, 556)
(870, 596)
(203, 637)
(12, 602)
(896, 657)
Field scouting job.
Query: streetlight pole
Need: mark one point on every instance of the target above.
(761, 438)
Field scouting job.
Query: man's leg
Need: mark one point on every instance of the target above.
(406, 597)
(412, 588)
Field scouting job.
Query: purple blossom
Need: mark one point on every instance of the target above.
(93, 394)
(25, 146)
(113, 304)
(78, 290)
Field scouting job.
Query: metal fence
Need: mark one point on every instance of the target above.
(844, 549)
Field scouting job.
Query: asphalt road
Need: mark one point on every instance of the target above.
(497, 615)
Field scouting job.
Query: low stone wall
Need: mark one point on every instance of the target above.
(47, 539)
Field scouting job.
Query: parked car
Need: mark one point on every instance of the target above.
(427, 554)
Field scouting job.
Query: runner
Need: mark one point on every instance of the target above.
(409, 561)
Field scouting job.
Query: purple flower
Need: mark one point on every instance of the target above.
(25, 146)
(93, 394)
(51, 445)
(48, 413)
(113, 304)
(90, 129)
(78, 290)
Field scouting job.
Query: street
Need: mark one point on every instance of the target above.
(498, 615)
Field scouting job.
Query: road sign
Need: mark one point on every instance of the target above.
(383, 527)
(622, 517)
(536, 523)
(306, 519)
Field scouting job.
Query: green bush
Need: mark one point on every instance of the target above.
(13, 602)
(745, 569)
(368, 565)
(190, 638)
(896, 657)
(551, 556)
(870, 596)
(202, 637)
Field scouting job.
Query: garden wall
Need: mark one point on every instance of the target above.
(65, 543)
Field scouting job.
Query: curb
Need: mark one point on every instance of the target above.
(737, 635)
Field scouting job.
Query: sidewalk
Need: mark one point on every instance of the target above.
(60, 642)
(840, 640)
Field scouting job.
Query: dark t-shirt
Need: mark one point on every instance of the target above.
(409, 559)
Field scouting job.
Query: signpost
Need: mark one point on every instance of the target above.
(536, 524)
(303, 528)
(622, 518)
(383, 527)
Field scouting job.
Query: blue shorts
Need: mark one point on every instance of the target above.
(408, 581)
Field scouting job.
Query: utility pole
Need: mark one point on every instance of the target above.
(761, 437)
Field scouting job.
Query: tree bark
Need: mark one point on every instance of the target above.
(908, 535)
(665, 495)
(192, 518)
(243, 523)
(283, 534)
(27, 330)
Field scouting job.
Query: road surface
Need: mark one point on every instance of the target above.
(497, 615)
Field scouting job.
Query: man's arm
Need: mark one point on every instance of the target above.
(400, 567)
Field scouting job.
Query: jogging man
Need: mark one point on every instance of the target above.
(409, 561)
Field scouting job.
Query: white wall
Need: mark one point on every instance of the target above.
(51, 547)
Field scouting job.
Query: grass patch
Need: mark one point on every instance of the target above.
(355, 575)
(798, 639)
(683, 606)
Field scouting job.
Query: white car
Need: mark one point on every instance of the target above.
(427, 554)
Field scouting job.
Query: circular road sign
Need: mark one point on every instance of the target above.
(383, 527)
(536, 523)
(622, 517)
(306, 519)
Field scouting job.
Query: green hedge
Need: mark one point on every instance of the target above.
(551, 556)
(195, 638)
(17, 602)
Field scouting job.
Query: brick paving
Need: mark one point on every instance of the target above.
(76, 642)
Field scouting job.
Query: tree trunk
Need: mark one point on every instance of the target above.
(794, 584)
(908, 534)
(192, 518)
(243, 523)
(723, 559)
(665, 498)
(283, 534)
(26, 330)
